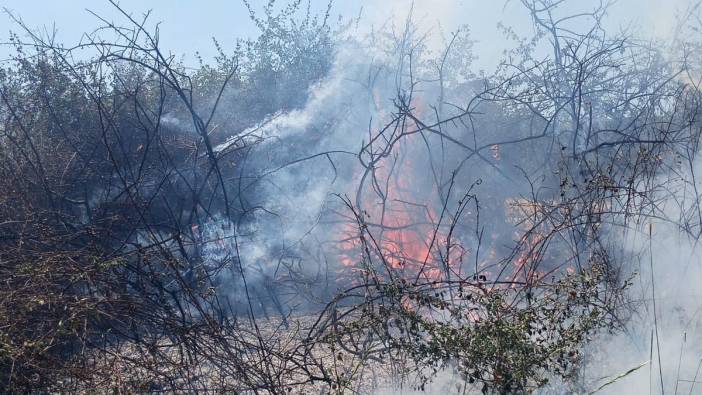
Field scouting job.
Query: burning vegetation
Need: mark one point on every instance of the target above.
(317, 207)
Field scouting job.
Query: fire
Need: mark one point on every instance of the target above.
(399, 214)
(407, 235)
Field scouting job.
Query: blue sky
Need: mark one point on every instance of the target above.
(187, 26)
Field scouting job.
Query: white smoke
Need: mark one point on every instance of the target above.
(669, 270)
(354, 97)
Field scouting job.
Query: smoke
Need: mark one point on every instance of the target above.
(307, 158)
(664, 332)
(652, 355)
(404, 129)
(310, 157)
